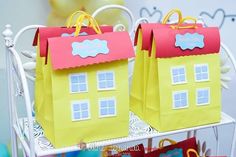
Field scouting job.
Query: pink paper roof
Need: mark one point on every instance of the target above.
(146, 29)
(48, 32)
(119, 45)
(165, 41)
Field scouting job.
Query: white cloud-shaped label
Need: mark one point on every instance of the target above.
(90, 48)
(73, 34)
(189, 41)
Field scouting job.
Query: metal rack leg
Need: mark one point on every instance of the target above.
(8, 43)
(24, 154)
(233, 142)
(191, 134)
(195, 133)
(149, 145)
(216, 133)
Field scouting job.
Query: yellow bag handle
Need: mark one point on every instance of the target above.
(92, 22)
(182, 22)
(109, 148)
(70, 18)
(172, 12)
(161, 143)
(192, 151)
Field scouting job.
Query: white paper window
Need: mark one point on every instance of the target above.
(80, 110)
(203, 96)
(78, 83)
(107, 107)
(106, 80)
(180, 99)
(178, 75)
(201, 72)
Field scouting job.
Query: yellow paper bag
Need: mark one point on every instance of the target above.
(85, 95)
(143, 44)
(141, 67)
(183, 87)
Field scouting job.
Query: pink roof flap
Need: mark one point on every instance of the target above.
(48, 32)
(63, 51)
(165, 40)
(146, 29)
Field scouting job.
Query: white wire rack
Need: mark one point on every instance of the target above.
(26, 131)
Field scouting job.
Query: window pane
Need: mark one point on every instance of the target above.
(106, 80)
(78, 83)
(110, 84)
(177, 103)
(111, 111)
(180, 100)
(111, 103)
(102, 84)
(77, 115)
(175, 71)
(84, 106)
(74, 79)
(206, 93)
(199, 77)
(202, 96)
(85, 114)
(206, 99)
(109, 76)
(80, 110)
(178, 75)
(200, 101)
(107, 107)
(198, 69)
(103, 104)
(101, 77)
(184, 102)
(204, 76)
(183, 95)
(204, 69)
(103, 111)
(176, 79)
(201, 73)
(82, 78)
(182, 78)
(76, 107)
(177, 97)
(82, 87)
(181, 71)
(74, 88)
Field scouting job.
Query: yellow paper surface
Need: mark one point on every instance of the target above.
(139, 79)
(65, 132)
(193, 115)
(39, 87)
(159, 106)
(43, 95)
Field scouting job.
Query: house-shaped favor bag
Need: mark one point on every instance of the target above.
(140, 72)
(143, 43)
(41, 41)
(86, 86)
(183, 87)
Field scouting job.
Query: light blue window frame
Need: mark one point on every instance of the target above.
(203, 96)
(78, 83)
(180, 99)
(105, 80)
(80, 110)
(107, 107)
(178, 75)
(201, 72)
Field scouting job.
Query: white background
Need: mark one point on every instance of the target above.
(20, 13)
